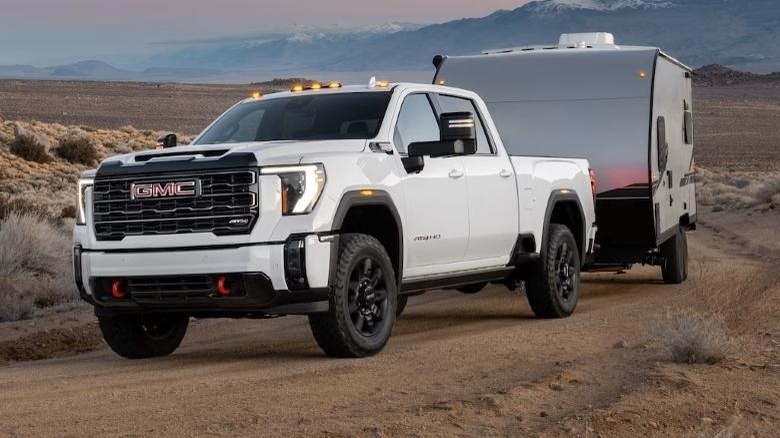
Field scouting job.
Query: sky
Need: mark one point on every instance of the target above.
(48, 32)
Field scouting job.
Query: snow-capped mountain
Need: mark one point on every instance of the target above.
(732, 32)
(737, 33)
(555, 6)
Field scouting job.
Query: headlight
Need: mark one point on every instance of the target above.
(301, 186)
(81, 200)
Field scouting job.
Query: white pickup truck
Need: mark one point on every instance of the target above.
(329, 201)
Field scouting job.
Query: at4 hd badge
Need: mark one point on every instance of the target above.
(427, 237)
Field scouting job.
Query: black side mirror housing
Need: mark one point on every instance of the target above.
(413, 164)
(442, 148)
(167, 140)
(458, 137)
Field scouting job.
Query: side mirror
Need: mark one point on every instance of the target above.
(413, 164)
(167, 140)
(458, 137)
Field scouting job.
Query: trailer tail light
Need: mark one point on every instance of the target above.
(593, 184)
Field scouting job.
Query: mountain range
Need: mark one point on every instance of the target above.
(737, 33)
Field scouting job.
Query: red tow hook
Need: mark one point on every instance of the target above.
(117, 290)
(223, 286)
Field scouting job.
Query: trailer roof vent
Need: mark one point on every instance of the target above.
(584, 40)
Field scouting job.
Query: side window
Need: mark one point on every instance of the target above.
(416, 122)
(451, 104)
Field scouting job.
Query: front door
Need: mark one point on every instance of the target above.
(436, 226)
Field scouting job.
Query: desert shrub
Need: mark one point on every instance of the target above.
(68, 212)
(78, 150)
(30, 241)
(693, 337)
(34, 265)
(20, 205)
(745, 298)
(727, 189)
(29, 148)
(15, 304)
(724, 307)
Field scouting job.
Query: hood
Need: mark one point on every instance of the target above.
(223, 156)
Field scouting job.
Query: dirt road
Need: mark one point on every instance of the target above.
(457, 365)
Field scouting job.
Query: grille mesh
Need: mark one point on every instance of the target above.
(227, 205)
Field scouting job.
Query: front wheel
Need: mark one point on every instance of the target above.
(363, 300)
(554, 287)
(675, 254)
(402, 300)
(143, 336)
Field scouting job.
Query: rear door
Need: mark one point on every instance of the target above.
(491, 192)
(436, 226)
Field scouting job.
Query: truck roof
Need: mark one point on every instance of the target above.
(384, 87)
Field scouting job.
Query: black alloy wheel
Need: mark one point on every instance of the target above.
(368, 304)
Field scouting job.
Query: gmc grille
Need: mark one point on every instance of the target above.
(226, 205)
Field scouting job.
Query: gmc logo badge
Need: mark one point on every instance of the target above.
(172, 189)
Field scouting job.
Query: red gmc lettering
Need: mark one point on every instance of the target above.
(160, 190)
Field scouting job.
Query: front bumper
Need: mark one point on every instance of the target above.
(259, 268)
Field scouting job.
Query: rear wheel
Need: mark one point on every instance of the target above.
(143, 336)
(554, 288)
(675, 254)
(363, 301)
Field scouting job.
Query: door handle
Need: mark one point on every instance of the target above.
(505, 173)
(456, 174)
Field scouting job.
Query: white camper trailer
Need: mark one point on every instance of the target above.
(627, 110)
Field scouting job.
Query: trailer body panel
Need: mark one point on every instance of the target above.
(601, 103)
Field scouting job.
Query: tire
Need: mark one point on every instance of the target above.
(144, 336)
(402, 300)
(675, 253)
(554, 287)
(363, 301)
(471, 288)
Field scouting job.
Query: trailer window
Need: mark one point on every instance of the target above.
(452, 104)
(416, 123)
(687, 123)
(663, 145)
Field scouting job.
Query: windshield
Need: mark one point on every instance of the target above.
(335, 116)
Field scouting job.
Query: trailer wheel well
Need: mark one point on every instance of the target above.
(567, 212)
(379, 222)
(685, 222)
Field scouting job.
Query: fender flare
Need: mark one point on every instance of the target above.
(352, 199)
(559, 196)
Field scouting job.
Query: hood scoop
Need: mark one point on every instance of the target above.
(215, 160)
(207, 153)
